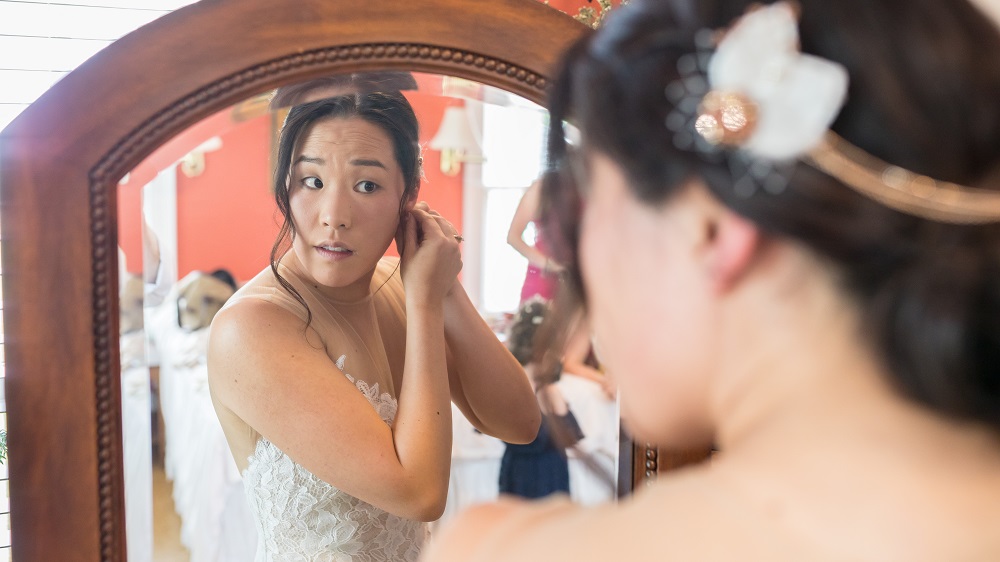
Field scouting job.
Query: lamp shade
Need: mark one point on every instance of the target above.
(456, 133)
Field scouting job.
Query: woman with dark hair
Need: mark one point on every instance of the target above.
(788, 241)
(540, 468)
(332, 370)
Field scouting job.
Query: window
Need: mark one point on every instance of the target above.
(514, 143)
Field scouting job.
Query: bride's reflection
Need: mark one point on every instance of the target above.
(225, 220)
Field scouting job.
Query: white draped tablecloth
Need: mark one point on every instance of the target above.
(216, 524)
(137, 448)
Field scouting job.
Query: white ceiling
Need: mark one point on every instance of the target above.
(41, 41)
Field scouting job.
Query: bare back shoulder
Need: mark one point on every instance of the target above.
(681, 517)
(241, 333)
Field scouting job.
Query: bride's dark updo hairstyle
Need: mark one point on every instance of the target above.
(924, 94)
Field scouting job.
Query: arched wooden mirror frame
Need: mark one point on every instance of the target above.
(61, 160)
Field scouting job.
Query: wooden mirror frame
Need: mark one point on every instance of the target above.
(60, 162)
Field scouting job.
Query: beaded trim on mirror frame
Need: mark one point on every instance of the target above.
(651, 463)
(105, 175)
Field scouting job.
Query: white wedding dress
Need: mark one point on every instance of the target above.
(299, 517)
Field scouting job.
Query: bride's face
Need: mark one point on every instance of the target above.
(344, 194)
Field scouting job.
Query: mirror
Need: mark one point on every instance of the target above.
(196, 219)
(60, 164)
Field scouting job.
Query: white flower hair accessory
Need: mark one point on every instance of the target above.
(765, 95)
(754, 91)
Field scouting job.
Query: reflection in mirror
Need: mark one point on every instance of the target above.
(197, 220)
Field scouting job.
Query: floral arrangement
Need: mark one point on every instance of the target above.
(594, 17)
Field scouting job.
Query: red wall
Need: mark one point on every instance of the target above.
(572, 7)
(227, 216)
(441, 192)
(164, 157)
(129, 227)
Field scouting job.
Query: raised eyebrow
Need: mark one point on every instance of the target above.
(365, 162)
(308, 159)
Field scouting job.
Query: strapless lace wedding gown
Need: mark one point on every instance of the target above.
(301, 518)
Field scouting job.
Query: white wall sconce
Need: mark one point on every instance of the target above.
(193, 163)
(456, 141)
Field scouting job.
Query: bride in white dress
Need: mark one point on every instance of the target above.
(332, 371)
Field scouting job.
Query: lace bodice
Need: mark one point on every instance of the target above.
(298, 516)
(301, 518)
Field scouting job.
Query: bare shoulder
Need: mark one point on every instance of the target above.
(695, 514)
(552, 529)
(676, 518)
(473, 535)
(246, 335)
(248, 322)
(246, 315)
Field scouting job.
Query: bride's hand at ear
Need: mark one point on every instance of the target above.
(447, 228)
(430, 258)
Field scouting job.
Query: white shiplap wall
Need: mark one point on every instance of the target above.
(42, 41)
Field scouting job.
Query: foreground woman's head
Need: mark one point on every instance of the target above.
(919, 97)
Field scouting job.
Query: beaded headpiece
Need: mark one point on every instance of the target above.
(755, 91)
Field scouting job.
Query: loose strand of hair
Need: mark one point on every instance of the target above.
(275, 250)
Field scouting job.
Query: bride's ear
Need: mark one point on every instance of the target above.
(406, 206)
(731, 244)
(411, 201)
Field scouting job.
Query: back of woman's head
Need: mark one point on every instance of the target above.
(523, 329)
(924, 94)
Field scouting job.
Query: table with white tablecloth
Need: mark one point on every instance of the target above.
(216, 523)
